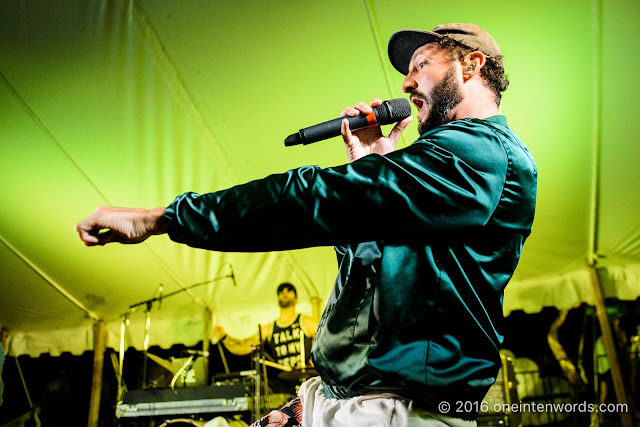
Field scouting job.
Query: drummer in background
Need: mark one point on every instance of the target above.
(282, 338)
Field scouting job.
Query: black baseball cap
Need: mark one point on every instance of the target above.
(288, 286)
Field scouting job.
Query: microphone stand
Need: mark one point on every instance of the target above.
(148, 304)
(160, 298)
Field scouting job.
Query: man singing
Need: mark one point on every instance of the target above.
(427, 238)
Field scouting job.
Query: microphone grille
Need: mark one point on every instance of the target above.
(393, 110)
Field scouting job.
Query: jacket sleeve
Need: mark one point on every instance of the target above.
(449, 179)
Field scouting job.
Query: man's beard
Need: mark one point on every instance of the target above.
(285, 304)
(443, 98)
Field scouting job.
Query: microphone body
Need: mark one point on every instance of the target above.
(388, 112)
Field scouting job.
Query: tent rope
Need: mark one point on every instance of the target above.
(49, 280)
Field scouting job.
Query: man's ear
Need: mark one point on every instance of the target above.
(472, 64)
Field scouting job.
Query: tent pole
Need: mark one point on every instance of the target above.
(596, 285)
(592, 255)
(99, 345)
(609, 346)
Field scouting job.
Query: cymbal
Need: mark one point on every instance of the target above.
(298, 373)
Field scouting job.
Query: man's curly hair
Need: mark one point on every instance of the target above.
(492, 72)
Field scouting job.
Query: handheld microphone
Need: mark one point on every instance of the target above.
(388, 112)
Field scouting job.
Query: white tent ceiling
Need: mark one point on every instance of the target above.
(130, 103)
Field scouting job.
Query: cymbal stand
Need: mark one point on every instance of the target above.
(122, 388)
(121, 385)
(257, 398)
(147, 327)
(263, 367)
(148, 303)
(303, 351)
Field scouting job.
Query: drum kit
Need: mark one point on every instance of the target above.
(229, 393)
(264, 399)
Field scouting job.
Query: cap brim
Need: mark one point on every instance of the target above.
(403, 44)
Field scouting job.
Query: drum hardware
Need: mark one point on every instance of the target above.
(233, 376)
(182, 422)
(263, 400)
(303, 352)
(274, 365)
(298, 374)
(223, 357)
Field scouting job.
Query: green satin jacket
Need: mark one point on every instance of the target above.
(427, 238)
